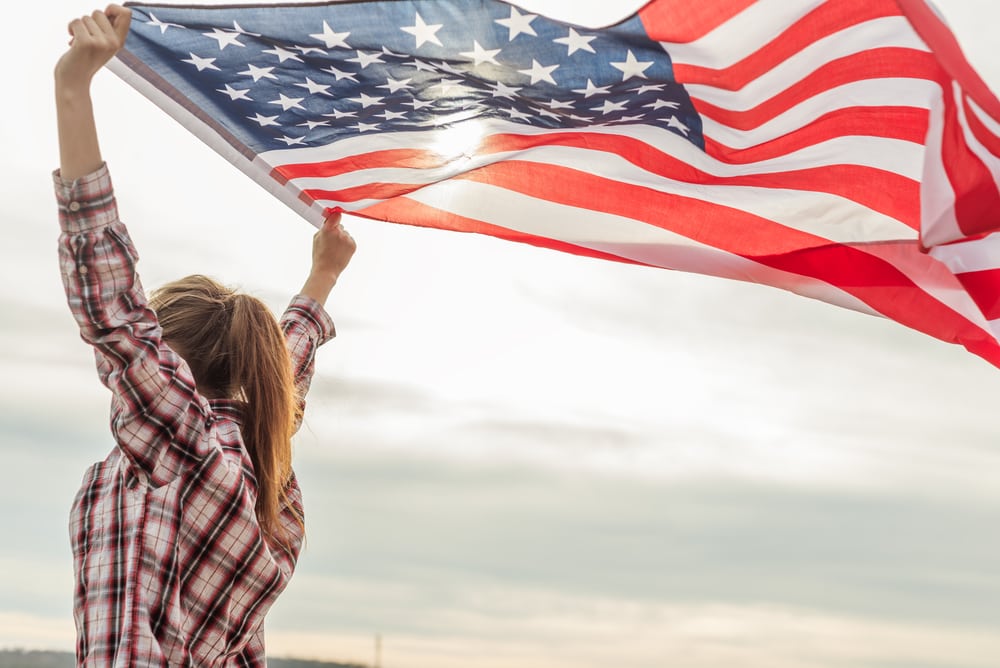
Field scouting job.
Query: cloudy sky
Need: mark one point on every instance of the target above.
(515, 457)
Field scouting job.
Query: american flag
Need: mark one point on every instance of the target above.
(840, 149)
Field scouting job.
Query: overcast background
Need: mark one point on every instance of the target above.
(515, 457)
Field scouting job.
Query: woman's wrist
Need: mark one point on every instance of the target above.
(318, 285)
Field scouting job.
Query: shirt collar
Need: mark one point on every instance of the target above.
(228, 408)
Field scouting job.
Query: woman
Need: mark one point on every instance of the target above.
(189, 530)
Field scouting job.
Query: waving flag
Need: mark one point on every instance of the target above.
(820, 146)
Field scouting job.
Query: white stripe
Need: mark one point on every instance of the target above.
(892, 155)
(820, 214)
(967, 256)
(938, 223)
(735, 39)
(991, 161)
(918, 93)
(891, 31)
(992, 124)
(603, 232)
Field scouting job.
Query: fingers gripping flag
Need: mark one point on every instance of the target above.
(840, 149)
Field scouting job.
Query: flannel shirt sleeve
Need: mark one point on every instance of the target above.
(157, 416)
(306, 326)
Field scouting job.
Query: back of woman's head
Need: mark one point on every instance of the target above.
(235, 349)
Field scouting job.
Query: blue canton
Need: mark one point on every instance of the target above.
(286, 76)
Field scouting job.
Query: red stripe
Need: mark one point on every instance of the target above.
(979, 130)
(403, 157)
(984, 288)
(410, 212)
(944, 44)
(903, 123)
(977, 200)
(825, 20)
(890, 194)
(875, 64)
(683, 21)
(366, 191)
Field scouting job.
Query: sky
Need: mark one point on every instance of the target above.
(516, 457)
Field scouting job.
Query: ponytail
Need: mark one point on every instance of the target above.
(262, 378)
(235, 349)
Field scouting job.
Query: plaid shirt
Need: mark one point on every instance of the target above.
(171, 566)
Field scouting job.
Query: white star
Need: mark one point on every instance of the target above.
(366, 100)
(235, 93)
(546, 112)
(449, 85)
(288, 102)
(660, 104)
(340, 74)
(591, 89)
(420, 65)
(282, 54)
(341, 114)
(392, 53)
(160, 24)
(366, 59)
(394, 85)
(264, 120)
(500, 89)
(423, 32)
(629, 119)
(609, 107)
(539, 72)
(674, 123)
(201, 63)
(312, 125)
(647, 88)
(418, 104)
(445, 66)
(365, 127)
(582, 119)
(556, 104)
(224, 38)
(481, 55)
(237, 28)
(632, 67)
(331, 38)
(291, 140)
(577, 42)
(518, 23)
(258, 73)
(314, 87)
(390, 115)
(516, 115)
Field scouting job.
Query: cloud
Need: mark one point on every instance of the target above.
(454, 528)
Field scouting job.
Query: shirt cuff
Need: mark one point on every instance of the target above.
(312, 311)
(85, 203)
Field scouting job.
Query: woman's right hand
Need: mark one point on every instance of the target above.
(332, 250)
(95, 39)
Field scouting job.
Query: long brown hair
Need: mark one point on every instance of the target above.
(236, 350)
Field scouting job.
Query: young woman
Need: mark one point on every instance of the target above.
(188, 531)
